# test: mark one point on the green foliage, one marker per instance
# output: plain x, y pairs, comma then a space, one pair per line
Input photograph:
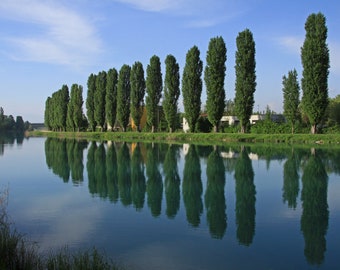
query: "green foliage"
124, 96
75, 108
91, 89
192, 86
171, 91
55, 115
245, 77
214, 80
315, 62
137, 92
111, 97
291, 92
99, 100
333, 111
154, 87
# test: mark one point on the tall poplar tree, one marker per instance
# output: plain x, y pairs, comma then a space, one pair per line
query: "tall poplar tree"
78, 107
192, 86
214, 80
123, 96
291, 92
137, 92
154, 86
171, 91
315, 62
111, 97
91, 89
70, 108
63, 98
99, 99
47, 114
245, 85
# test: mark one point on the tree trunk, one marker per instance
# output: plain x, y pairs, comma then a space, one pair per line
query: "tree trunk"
313, 129
243, 129
292, 129
215, 128
170, 130
153, 129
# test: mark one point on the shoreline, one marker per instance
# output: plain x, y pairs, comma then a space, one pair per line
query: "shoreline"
204, 138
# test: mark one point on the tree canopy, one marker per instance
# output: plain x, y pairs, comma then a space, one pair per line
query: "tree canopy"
245, 84
192, 86
214, 80
171, 91
154, 87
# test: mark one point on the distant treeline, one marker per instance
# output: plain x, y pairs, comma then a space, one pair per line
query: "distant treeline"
9, 124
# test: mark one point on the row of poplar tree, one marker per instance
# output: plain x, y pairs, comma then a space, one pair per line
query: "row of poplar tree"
114, 96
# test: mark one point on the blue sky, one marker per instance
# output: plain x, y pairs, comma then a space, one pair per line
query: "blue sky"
47, 43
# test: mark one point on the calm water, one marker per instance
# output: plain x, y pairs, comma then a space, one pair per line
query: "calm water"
159, 206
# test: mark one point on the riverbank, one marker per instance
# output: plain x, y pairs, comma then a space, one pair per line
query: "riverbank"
210, 138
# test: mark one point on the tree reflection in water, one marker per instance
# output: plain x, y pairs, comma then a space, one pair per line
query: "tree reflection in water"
245, 198
192, 187
314, 219
121, 171
214, 195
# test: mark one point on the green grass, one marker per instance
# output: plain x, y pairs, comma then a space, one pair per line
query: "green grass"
210, 138
17, 252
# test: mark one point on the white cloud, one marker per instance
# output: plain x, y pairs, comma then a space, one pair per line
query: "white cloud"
153, 5
62, 36
201, 14
291, 43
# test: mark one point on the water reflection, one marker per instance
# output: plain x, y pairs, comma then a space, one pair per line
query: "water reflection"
172, 181
291, 180
214, 195
137, 174
245, 198
314, 219
192, 187
138, 187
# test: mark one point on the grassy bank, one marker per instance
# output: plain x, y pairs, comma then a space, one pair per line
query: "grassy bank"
211, 138
18, 252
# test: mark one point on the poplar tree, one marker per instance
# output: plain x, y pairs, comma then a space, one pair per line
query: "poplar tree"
315, 62
91, 88
70, 108
111, 97
171, 91
245, 85
137, 92
62, 99
154, 90
192, 86
291, 92
123, 96
78, 107
99, 100
214, 80
47, 114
